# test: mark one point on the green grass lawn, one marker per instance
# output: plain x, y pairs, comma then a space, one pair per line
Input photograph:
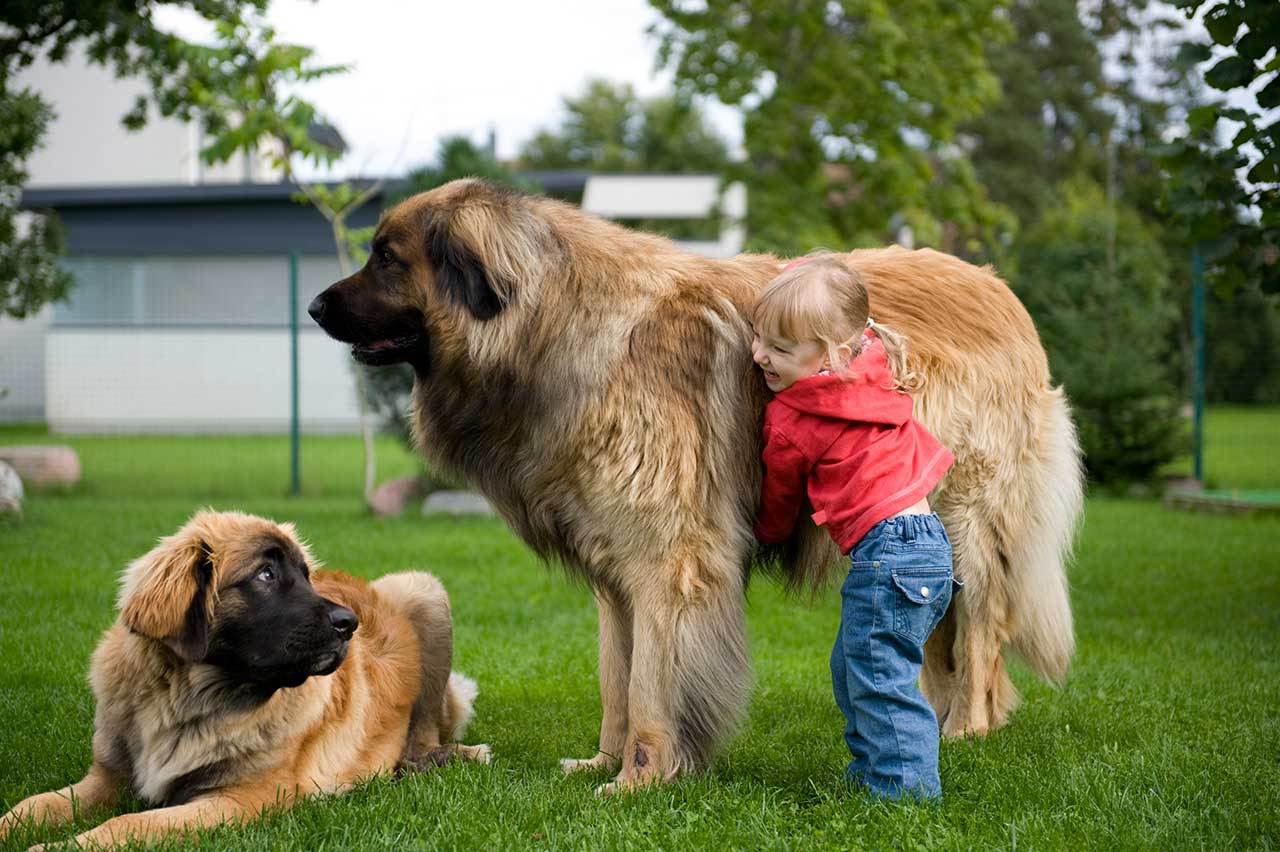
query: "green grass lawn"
1239, 448
1166, 734
208, 467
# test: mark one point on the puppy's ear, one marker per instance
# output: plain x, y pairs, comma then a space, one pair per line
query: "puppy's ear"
167, 594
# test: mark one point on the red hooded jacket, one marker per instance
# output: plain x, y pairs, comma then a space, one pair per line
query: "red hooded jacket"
851, 446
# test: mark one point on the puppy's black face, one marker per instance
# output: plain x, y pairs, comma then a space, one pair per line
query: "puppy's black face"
271, 630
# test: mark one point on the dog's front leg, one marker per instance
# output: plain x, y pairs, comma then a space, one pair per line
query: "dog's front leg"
690, 669
98, 789
649, 751
233, 805
615, 675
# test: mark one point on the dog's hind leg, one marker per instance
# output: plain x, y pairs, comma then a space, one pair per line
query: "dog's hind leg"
445, 754
98, 789
965, 677
459, 701
1011, 529
937, 677
444, 702
615, 672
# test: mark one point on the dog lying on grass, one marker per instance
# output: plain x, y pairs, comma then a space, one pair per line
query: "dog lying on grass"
235, 680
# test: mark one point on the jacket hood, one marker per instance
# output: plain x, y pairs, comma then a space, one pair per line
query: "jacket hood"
867, 396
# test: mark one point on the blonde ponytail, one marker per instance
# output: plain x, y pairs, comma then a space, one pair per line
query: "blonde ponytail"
895, 351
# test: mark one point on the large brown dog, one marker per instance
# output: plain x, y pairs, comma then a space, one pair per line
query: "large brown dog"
596, 385
222, 688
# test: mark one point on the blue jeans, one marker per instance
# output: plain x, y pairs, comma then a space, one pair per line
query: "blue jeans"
898, 589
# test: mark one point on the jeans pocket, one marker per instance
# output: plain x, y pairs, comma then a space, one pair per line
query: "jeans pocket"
921, 600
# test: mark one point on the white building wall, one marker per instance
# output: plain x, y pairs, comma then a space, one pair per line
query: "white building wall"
86, 145
194, 380
22, 373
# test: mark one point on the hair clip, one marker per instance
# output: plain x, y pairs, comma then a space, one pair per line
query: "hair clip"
799, 261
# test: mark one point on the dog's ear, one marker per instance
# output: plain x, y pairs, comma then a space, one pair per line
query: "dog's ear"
488, 248
461, 275
167, 594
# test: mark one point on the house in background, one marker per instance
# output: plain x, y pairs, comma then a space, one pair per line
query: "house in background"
86, 147
180, 318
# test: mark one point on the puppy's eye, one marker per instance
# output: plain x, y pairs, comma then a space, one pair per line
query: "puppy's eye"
266, 574
387, 257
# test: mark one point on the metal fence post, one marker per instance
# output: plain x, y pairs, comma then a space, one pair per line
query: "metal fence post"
1198, 363
295, 475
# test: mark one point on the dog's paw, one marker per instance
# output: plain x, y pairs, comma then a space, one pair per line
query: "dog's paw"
570, 765
958, 727
630, 781
445, 754
622, 788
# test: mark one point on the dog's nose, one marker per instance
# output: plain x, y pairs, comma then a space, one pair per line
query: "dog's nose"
316, 308
344, 621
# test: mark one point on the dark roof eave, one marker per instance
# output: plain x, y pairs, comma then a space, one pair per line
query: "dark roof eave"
557, 182
207, 193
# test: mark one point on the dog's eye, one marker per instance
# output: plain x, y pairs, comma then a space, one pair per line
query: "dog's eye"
266, 574
387, 257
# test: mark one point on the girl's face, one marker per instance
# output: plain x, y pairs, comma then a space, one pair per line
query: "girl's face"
785, 362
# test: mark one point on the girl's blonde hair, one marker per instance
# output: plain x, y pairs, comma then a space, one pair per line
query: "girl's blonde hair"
819, 299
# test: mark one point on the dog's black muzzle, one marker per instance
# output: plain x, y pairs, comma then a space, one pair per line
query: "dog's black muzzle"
379, 333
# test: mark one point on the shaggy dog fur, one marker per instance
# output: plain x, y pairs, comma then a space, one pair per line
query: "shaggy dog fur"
222, 688
596, 384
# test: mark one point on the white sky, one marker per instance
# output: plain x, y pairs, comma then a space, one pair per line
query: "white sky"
428, 69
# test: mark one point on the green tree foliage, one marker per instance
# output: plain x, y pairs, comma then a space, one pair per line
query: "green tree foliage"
608, 128
459, 157
850, 111
118, 34
1235, 220
1096, 280
1242, 349
250, 81
1061, 116
245, 88
30, 276
1049, 123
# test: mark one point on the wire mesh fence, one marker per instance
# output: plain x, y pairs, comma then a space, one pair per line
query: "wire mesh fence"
176, 375
173, 374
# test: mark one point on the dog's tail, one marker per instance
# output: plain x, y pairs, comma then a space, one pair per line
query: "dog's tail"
459, 706
1041, 630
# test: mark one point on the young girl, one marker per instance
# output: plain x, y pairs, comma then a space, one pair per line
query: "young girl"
839, 432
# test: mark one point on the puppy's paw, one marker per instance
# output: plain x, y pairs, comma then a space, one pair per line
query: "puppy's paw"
480, 753
570, 765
